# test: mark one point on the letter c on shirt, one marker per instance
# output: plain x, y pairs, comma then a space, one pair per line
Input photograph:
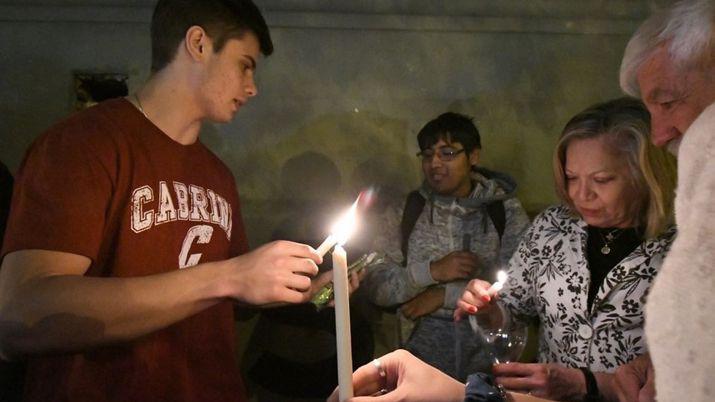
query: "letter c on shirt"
202, 235
142, 220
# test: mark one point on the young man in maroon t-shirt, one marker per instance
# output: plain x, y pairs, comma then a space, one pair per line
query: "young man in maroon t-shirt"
125, 247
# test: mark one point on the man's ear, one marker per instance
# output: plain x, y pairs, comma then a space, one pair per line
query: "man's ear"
474, 157
197, 43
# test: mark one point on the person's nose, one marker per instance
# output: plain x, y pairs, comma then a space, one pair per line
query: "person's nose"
436, 160
583, 191
662, 130
251, 88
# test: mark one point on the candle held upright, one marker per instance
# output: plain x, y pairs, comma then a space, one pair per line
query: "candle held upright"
342, 323
341, 231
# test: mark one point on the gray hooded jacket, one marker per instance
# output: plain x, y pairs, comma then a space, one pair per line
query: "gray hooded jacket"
440, 230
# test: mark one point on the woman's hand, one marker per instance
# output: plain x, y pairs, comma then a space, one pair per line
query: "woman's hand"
550, 381
406, 378
475, 298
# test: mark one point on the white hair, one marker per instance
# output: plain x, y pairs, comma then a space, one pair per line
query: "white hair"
686, 28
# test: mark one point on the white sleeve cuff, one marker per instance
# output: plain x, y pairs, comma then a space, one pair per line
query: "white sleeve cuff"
420, 274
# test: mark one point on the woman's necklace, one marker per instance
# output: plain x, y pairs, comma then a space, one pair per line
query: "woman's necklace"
139, 106
608, 239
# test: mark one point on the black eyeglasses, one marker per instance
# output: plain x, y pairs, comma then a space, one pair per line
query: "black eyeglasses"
444, 154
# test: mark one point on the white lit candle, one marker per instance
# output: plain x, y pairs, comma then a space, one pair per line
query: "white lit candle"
499, 284
342, 323
326, 245
494, 289
341, 231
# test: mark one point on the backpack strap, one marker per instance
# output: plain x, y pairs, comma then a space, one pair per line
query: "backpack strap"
414, 205
497, 214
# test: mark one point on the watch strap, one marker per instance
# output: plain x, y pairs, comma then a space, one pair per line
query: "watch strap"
482, 388
592, 392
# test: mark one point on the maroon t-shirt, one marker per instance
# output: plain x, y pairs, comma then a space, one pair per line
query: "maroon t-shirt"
108, 184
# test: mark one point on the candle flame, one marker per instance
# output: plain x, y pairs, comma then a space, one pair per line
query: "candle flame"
345, 226
366, 198
502, 277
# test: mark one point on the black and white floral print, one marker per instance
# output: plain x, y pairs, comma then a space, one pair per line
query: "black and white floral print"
549, 280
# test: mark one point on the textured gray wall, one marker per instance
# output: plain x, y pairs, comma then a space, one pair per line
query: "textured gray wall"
349, 86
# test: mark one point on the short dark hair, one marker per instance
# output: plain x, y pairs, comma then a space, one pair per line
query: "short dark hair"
451, 127
221, 19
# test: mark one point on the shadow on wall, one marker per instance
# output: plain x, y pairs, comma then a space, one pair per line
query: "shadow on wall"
309, 175
309, 372
322, 167
308, 183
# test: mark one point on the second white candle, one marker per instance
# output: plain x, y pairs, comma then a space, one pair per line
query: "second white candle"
342, 323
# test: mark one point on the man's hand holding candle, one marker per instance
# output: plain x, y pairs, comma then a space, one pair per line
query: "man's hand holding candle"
279, 272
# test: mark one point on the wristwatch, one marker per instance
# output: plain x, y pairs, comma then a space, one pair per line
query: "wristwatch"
592, 393
482, 388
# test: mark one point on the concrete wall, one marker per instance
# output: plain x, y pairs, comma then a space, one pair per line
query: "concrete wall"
349, 86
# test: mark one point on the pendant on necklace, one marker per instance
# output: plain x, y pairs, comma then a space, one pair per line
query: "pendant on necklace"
605, 249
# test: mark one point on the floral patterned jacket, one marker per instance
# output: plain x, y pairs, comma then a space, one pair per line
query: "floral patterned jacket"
549, 279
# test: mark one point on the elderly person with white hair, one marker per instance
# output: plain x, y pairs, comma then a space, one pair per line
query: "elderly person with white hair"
584, 268
670, 63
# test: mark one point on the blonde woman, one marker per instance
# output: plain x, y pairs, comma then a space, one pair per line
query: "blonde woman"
585, 267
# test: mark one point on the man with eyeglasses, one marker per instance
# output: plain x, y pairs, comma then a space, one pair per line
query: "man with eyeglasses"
462, 223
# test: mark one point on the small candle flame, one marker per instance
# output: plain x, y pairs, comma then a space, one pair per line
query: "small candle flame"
499, 284
502, 277
346, 225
